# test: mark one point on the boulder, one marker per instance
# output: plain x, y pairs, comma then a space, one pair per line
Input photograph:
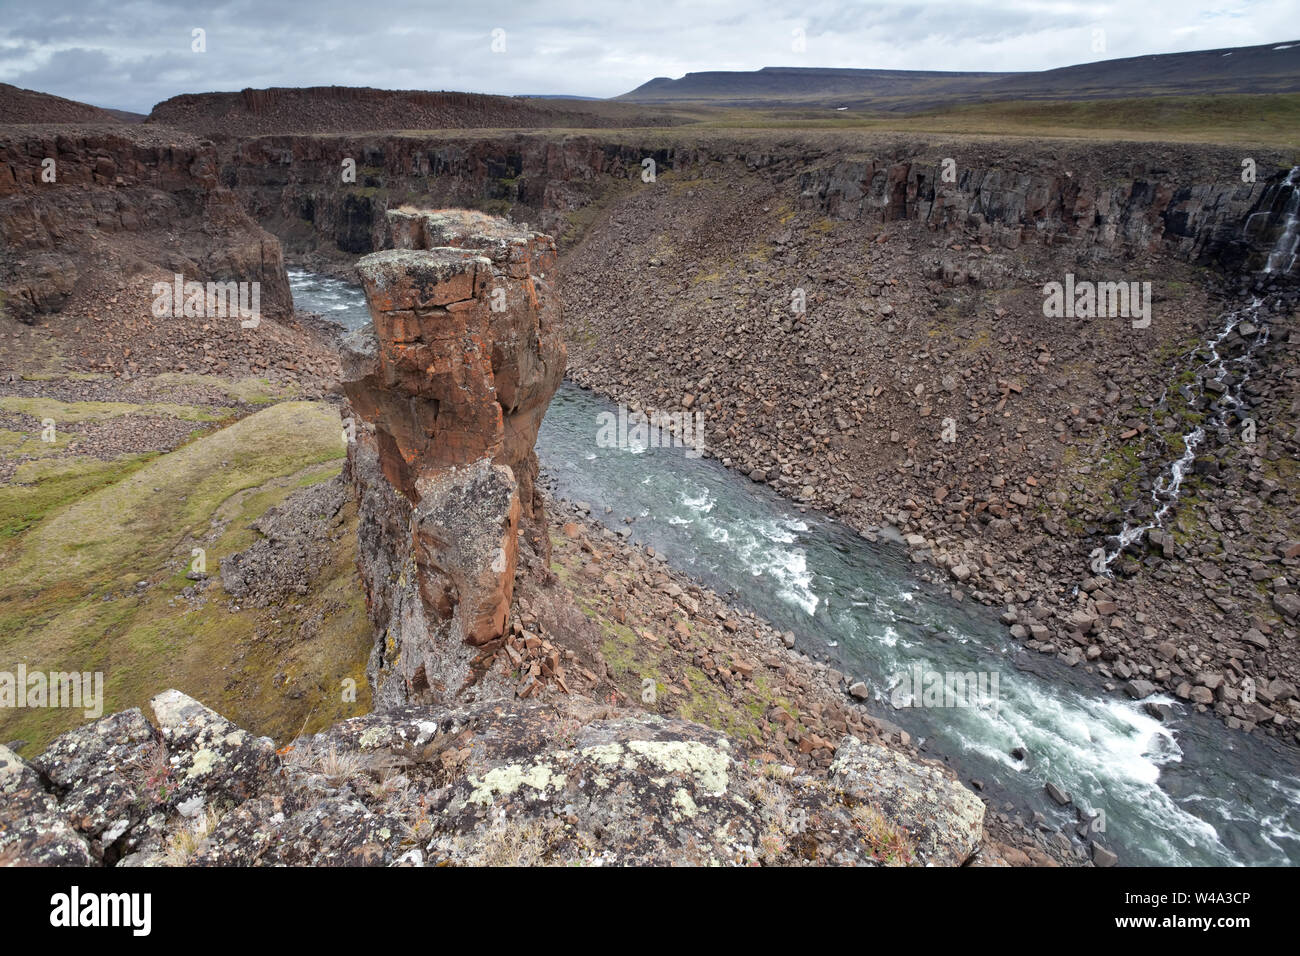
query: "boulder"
944, 818
33, 829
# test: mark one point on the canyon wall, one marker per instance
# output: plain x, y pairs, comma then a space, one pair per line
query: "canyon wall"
295, 185
1106, 200
1233, 223
450, 380
127, 203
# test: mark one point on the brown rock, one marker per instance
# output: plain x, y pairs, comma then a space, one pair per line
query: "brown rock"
451, 380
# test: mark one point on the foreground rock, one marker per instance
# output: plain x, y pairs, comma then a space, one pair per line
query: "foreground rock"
540, 784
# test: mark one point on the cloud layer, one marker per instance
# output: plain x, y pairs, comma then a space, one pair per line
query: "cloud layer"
132, 54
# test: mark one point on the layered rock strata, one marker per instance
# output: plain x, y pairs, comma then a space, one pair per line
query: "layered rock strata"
83, 209
450, 382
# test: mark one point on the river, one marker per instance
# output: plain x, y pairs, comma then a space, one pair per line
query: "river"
1185, 791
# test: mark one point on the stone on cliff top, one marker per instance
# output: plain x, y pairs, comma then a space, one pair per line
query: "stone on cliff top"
33, 829
210, 756
113, 782
103, 769
551, 783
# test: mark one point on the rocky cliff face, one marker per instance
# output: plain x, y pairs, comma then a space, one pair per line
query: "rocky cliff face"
1104, 200
1147, 211
294, 185
450, 381
538, 784
135, 202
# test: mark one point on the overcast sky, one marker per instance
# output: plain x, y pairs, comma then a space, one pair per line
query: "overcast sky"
130, 54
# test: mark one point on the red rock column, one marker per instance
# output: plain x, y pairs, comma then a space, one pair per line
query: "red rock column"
451, 382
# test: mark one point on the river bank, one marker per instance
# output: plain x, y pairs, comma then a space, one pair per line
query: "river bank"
1099, 749
1058, 432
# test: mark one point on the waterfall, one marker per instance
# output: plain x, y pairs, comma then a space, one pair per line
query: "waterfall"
1281, 259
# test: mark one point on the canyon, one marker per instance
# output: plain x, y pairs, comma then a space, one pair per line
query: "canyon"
490, 620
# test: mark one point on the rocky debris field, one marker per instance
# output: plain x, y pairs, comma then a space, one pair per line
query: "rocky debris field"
293, 546
921, 389
115, 334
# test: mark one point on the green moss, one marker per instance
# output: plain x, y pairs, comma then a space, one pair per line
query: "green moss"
14, 444
81, 539
38, 491
619, 648
707, 703
110, 529
62, 412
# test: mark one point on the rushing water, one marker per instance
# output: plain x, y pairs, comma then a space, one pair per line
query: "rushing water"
1281, 259
1233, 372
1186, 791
333, 299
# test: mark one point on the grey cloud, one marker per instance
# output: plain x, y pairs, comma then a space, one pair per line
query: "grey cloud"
131, 55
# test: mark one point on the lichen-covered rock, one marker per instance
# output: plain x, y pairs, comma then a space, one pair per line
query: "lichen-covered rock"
109, 778
491, 783
33, 829
118, 780
944, 819
623, 790
336, 830
210, 758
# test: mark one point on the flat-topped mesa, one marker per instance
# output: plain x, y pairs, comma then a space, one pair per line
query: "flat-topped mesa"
451, 380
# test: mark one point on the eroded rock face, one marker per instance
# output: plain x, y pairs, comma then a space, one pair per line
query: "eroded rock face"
124, 203
450, 381
564, 783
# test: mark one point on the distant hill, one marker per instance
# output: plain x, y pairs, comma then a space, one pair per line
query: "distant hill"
800, 86
333, 109
1271, 68
28, 106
